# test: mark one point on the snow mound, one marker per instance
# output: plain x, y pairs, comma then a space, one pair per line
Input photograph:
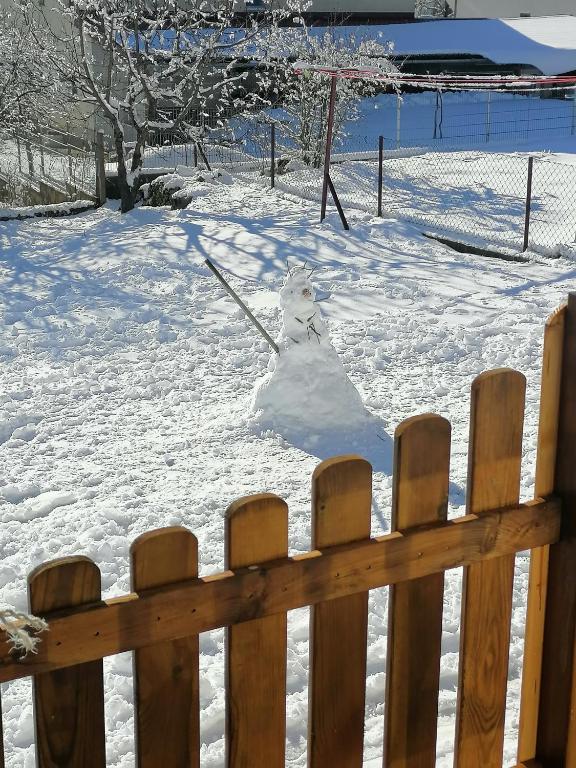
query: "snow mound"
308, 389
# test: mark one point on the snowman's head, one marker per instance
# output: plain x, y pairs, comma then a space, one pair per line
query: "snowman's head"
297, 288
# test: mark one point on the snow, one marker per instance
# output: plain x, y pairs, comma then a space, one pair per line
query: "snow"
50, 210
125, 389
544, 42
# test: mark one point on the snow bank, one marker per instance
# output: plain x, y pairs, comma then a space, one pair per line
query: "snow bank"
54, 209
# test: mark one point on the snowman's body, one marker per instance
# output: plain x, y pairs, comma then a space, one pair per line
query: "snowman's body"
307, 387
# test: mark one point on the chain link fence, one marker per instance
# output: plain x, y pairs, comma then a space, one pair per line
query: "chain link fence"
480, 198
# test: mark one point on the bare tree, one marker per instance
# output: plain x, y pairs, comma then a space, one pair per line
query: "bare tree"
29, 91
155, 65
303, 100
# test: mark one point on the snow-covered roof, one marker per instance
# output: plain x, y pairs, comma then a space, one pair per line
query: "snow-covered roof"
547, 42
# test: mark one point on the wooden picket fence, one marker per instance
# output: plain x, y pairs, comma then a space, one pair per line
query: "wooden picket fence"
160, 620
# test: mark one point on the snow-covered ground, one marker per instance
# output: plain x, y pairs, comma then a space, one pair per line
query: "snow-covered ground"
125, 382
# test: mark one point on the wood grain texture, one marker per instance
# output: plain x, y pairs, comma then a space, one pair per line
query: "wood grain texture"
131, 621
495, 453
538, 578
166, 675
341, 512
256, 532
420, 497
68, 703
556, 740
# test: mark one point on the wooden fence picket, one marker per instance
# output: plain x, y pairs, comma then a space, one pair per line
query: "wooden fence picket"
556, 737
166, 675
420, 496
68, 703
256, 531
341, 512
495, 452
538, 579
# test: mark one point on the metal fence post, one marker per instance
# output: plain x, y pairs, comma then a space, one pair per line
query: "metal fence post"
528, 204
195, 156
100, 168
398, 112
488, 110
573, 122
380, 172
328, 147
272, 155
19, 154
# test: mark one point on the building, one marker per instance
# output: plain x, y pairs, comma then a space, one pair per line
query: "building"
524, 46
497, 9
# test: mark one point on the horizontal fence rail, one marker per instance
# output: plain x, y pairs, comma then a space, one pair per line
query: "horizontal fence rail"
160, 620
262, 590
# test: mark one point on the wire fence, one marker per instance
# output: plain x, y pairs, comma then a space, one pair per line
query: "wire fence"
56, 160
480, 198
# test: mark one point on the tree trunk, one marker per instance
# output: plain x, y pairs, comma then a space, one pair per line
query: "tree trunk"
127, 195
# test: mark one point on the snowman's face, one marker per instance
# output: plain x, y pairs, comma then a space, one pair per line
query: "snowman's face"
297, 289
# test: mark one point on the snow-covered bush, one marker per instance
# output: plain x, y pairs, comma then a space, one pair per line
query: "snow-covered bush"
178, 191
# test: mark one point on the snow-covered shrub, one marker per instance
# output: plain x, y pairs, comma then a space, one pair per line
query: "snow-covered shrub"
178, 191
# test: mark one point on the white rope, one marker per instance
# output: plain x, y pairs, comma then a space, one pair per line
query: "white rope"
18, 627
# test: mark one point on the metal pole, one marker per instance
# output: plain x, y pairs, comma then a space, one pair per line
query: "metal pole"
243, 306
328, 149
338, 205
272, 154
398, 108
195, 156
528, 203
19, 154
573, 123
488, 105
380, 172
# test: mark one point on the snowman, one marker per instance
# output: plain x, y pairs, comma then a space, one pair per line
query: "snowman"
306, 388
301, 319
